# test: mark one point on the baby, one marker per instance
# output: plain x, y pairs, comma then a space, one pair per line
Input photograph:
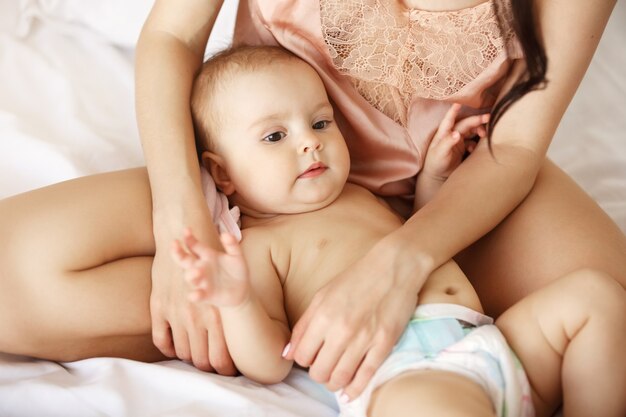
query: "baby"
268, 137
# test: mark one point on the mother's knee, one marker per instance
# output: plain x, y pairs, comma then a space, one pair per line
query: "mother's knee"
17, 326
595, 290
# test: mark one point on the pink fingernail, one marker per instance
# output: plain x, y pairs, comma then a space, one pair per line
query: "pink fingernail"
344, 399
286, 350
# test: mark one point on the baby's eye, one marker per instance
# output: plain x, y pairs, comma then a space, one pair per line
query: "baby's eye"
321, 124
274, 137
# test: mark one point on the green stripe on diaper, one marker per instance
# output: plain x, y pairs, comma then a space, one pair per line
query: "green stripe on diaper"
430, 336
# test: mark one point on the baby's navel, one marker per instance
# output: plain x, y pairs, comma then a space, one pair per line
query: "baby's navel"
322, 244
451, 290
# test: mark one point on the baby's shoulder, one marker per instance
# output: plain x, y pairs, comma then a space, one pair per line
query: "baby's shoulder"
269, 247
355, 193
256, 234
266, 237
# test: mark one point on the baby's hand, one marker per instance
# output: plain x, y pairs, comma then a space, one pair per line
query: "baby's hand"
451, 141
218, 278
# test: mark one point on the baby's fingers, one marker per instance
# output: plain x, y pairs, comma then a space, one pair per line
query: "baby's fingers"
196, 277
180, 255
471, 125
200, 286
198, 295
197, 248
231, 246
447, 123
481, 131
452, 143
190, 240
470, 145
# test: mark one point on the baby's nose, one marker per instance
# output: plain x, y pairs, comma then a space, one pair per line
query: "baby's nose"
310, 143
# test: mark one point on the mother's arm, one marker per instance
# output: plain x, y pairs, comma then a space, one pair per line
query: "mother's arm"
169, 51
353, 322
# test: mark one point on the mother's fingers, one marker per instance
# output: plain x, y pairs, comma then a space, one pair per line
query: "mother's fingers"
350, 360
333, 349
374, 358
161, 332
162, 336
199, 346
219, 356
181, 343
300, 329
305, 350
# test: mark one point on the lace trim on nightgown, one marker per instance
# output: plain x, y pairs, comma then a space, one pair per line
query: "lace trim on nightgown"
393, 54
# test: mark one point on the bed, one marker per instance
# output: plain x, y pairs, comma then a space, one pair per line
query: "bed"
66, 110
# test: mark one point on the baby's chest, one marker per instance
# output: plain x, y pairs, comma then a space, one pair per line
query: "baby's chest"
316, 255
319, 250
322, 246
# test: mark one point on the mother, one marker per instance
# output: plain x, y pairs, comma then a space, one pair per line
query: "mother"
511, 218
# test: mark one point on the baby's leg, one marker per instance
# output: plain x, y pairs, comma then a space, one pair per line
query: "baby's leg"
430, 393
570, 337
75, 267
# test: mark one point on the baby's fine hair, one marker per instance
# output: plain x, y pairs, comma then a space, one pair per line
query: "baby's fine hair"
213, 77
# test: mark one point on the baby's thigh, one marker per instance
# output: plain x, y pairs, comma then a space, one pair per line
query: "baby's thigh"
433, 393
586, 306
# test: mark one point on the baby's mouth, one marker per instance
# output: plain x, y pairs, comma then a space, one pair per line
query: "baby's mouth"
314, 170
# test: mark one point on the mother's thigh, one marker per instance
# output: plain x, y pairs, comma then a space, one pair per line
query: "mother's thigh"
75, 261
557, 229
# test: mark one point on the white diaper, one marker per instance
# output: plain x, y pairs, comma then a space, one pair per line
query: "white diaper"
454, 338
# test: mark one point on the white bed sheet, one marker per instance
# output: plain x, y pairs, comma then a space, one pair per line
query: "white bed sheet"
66, 110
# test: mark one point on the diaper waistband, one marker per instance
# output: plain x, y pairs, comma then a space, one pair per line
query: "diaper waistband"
434, 327
454, 311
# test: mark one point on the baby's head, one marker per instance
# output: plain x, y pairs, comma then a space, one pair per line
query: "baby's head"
265, 129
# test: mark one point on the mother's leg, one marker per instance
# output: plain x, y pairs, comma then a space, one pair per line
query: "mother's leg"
557, 229
75, 267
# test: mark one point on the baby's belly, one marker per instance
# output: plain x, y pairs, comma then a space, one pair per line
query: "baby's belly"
450, 290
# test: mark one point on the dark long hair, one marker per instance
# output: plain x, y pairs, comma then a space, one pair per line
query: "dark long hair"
524, 26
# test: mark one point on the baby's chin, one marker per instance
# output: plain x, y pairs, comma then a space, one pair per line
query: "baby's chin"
285, 208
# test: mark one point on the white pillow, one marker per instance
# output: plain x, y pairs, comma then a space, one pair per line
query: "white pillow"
117, 21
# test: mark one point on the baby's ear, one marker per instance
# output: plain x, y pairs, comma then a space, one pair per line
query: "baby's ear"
217, 168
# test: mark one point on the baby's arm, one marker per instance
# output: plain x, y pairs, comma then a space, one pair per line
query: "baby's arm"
251, 308
446, 150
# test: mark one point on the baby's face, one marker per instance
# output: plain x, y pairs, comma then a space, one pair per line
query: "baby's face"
279, 141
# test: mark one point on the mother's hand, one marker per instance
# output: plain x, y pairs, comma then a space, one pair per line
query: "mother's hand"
354, 321
180, 328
